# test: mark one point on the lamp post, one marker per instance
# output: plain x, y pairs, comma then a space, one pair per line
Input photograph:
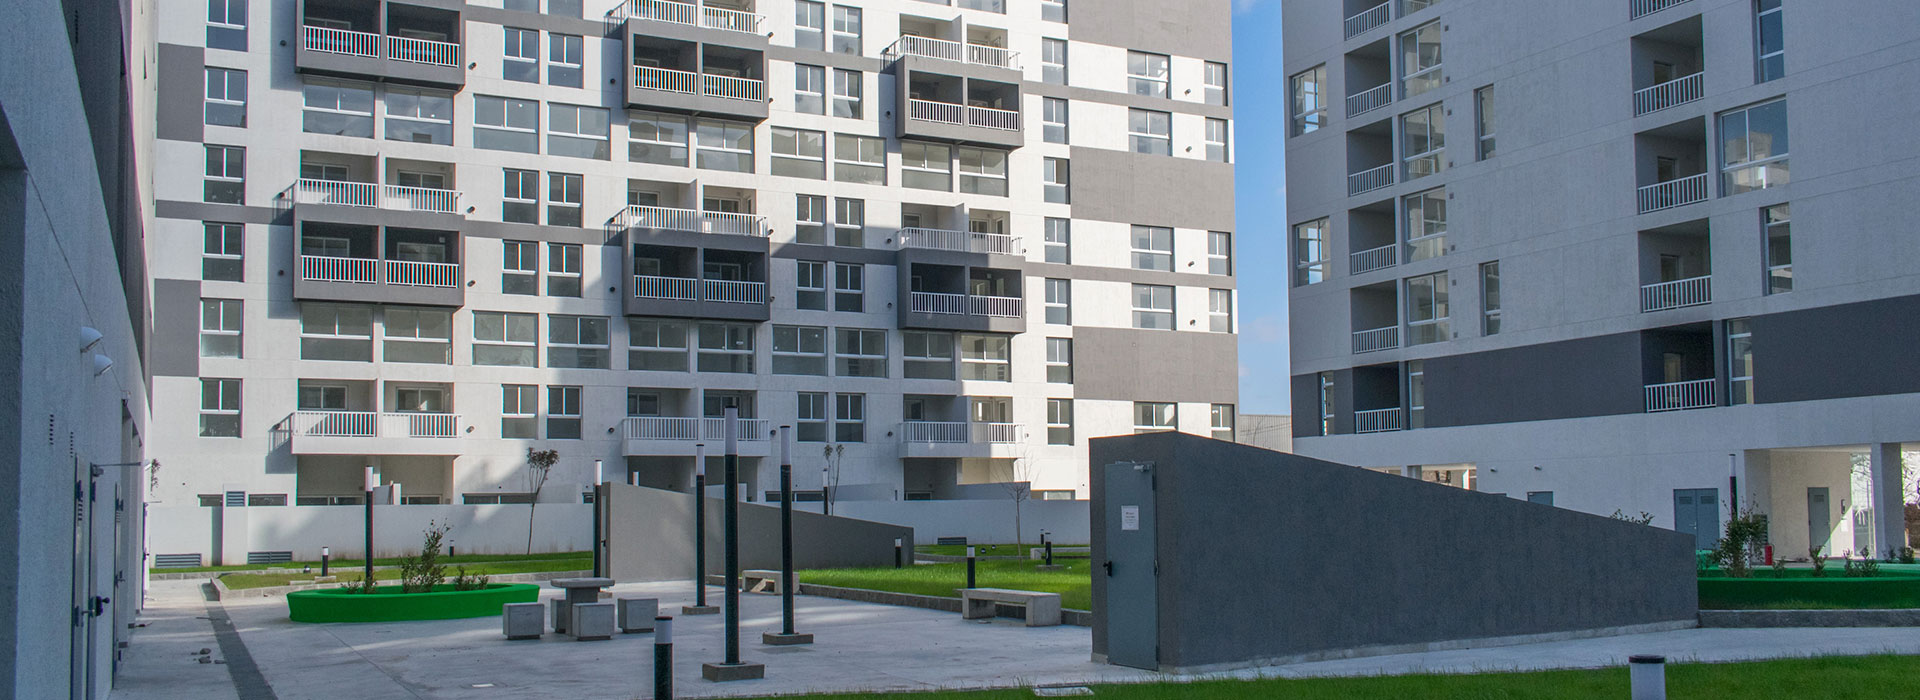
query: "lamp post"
599, 564
367, 582
733, 669
699, 606
325, 554
786, 636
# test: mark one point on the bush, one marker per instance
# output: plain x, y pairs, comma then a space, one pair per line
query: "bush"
358, 586
1644, 518
464, 582
420, 574
1819, 561
1779, 567
1745, 531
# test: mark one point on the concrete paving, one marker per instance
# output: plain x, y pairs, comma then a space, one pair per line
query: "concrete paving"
860, 647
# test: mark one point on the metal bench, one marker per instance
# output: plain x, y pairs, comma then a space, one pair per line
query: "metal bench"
1043, 609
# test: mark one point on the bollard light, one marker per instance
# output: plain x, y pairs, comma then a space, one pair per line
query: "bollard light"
1647, 674
663, 658
970, 578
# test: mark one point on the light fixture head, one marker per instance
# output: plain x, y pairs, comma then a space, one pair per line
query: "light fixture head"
89, 338
101, 363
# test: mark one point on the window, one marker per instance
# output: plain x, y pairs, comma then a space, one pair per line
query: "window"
1427, 309
861, 159
859, 352
1416, 394
226, 103
1423, 140
1309, 252
799, 153
656, 345
811, 412
1059, 421
518, 405
1222, 421
1053, 119
1059, 301
723, 146
563, 413
846, 93
1153, 307
417, 116
726, 347
1753, 148
1420, 60
846, 30
1053, 10
849, 222
850, 418
657, 138
1490, 298
506, 124
336, 333
810, 219
221, 258
505, 339
1426, 224
1154, 417
1739, 362
849, 287
1060, 360
809, 89
1483, 120
926, 166
928, 354
520, 198
227, 24
521, 55
809, 25
800, 350
563, 201
1150, 131
810, 285
563, 269
1152, 248
519, 271
1219, 253
982, 171
1326, 403
1053, 61
1059, 240
986, 358
220, 408
1054, 176
1215, 79
579, 132
1147, 74
226, 181
1217, 140
1309, 100
1770, 46
423, 336
577, 341
1778, 222
564, 54
1220, 310
219, 327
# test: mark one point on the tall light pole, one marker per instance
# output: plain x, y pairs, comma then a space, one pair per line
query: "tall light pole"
367, 581
699, 606
787, 583
599, 565
733, 669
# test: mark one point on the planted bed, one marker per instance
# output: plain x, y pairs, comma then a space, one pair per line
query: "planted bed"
388, 604
1800, 589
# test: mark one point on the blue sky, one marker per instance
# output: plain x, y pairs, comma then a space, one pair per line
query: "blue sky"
1259, 110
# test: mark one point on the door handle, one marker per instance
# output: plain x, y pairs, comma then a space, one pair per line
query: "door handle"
1109, 565
99, 605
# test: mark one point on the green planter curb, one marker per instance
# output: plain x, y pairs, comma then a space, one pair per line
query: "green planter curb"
390, 605
1888, 590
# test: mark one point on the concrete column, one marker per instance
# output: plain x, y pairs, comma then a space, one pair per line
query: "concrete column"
1889, 502
234, 536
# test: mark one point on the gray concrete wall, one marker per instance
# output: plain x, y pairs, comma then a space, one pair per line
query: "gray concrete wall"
1413, 563
649, 536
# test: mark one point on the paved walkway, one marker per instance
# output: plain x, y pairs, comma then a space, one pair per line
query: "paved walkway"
859, 647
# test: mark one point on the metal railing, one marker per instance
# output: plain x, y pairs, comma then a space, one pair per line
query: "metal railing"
999, 307
322, 268
1661, 296
637, 216
1642, 8
369, 424
687, 13
945, 50
734, 292
672, 288
367, 194
1680, 396
961, 432
991, 118
1672, 93
941, 112
401, 198
433, 53
423, 274
340, 41
1370, 99
729, 20
1376, 339
690, 428
982, 54
1369, 180
936, 303
665, 79
1377, 421
729, 87
1372, 259
962, 241
1673, 193
1368, 19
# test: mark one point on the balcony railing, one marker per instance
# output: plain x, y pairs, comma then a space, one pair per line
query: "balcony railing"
1672, 93
368, 194
1368, 100
962, 241
340, 41
1661, 296
1376, 339
1642, 8
689, 428
1680, 396
1372, 259
729, 87
734, 292
689, 83
1377, 421
1368, 19
998, 307
941, 112
942, 49
992, 118
688, 14
637, 216
1673, 193
937, 303
669, 288
322, 268
433, 53
1370, 180
423, 274
961, 432
368, 424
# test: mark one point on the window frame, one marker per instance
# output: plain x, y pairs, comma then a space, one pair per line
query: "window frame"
1220, 253
226, 396
1144, 316
518, 62
1434, 118
511, 137
1056, 180
1215, 93
422, 102
926, 166
802, 162
1151, 412
868, 162
736, 341
1150, 132
1766, 167
1778, 275
1059, 360
651, 338
561, 326
1059, 421
1739, 336
1490, 311
225, 97
846, 34
1413, 68
1438, 302
1422, 206
1142, 77
849, 95
216, 311
1483, 124
1058, 294
1762, 72
730, 134
1053, 72
1307, 111
650, 138
519, 411
980, 176
229, 236
1062, 243
567, 415
565, 206
809, 89
804, 348
1154, 256
225, 177
988, 359
849, 417
1220, 310
1310, 257
566, 131
414, 334
1214, 414
528, 348
860, 352
1054, 115
849, 287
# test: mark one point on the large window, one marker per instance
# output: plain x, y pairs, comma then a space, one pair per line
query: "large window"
1059, 421
1427, 309
656, 345
724, 146
520, 197
504, 339
564, 207
418, 116
520, 55
1147, 74
926, 166
1053, 61
1739, 362
1483, 121
222, 255
335, 332
1326, 403
1150, 132
859, 352
1217, 150
1222, 421
1154, 417
1770, 50
847, 92
226, 103
1778, 222
1426, 224
1215, 78
1220, 310
1059, 301
982, 171
1053, 119
580, 132
861, 159
519, 410
800, 153
414, 335
1490, 298
1309, 252
1059, 240
1152, 248
849, 287
726, 347
227, 25
846, 30
1423, 141
1055, 176
226, 181
1753, 148
809, 89
1309, 100
1420, 60
849, 222
850, 418
220, 408
220, 327
519, 268
811, 413
810, 285
1153, 307
986, 357
810, 219
800, 350
577, 341
810, 25
563, 270
657, 138
506, 124
564, 55
1053, 10
927, 354
563, 413
1219, 253
1416, 394
1060, 360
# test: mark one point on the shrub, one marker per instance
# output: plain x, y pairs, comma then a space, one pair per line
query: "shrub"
1819, 561
420, 574
1644, 518
1906, 555
1867, 568
1779, 567
462, 581
1745, 531
358, 586
1849, 566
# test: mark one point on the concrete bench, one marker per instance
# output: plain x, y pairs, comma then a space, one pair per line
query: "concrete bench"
760, 581
523, 620
1039, 553
636, 614
1043, 609
591, 621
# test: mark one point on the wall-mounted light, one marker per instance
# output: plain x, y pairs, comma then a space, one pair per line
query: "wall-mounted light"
89, 338
101, 363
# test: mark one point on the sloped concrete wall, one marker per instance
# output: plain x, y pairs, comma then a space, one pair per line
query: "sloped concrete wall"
649, 534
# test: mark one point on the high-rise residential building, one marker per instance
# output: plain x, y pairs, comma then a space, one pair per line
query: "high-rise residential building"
1567, 252
946, 243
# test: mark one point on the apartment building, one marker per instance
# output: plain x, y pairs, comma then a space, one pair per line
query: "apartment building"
946, 243
1568, 252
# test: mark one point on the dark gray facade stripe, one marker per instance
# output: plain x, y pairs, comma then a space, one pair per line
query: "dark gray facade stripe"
1202, 29
248, 681
228, 213
183, 79
534, 20
1155, 190
830, 59
176, 328
13, 238
1869, 348
1127, 364
1586, 377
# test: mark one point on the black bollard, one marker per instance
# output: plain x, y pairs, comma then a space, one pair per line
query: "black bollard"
896, 552
663, 658
699, 606
970, 567
325, 554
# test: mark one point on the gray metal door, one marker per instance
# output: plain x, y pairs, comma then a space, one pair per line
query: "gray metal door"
1132, 601
1697, 512
1819, 520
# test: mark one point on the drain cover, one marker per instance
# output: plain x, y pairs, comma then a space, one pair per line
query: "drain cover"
1062, 691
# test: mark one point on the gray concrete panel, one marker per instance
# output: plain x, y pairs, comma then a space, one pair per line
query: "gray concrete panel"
834, 253
202, 211
1125, 364
1203, 28
1594, 376
178, 113
176, 328
1841, 351
1156, 190
650, 536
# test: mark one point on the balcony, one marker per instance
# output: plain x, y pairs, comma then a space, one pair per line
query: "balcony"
1368, 100
1368, 19
960, 241
359, 54
375, 196
1383, 420
690, 289
1672, 93
1661, 296
1372, 259
1370, 179
370, 433
954, 51
1680, 396
1376, 339
687, 14
963, 115
1642, 8
1672, 193
960, 439
691, 221
676, 436
965, 304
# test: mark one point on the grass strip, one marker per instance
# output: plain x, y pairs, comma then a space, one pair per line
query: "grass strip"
243, 581
389, 561
1072, 582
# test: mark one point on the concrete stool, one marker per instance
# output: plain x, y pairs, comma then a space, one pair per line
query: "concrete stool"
523, 620
591, 621
636, 614
560, 614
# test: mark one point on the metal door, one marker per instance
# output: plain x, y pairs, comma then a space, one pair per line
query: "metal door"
1544, 498
1132, 571
80, 660
1697, 512
1819, 520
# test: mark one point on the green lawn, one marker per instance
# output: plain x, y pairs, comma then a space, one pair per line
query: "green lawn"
1860, 677
356, 563
1073, 583
237, 581
985, 550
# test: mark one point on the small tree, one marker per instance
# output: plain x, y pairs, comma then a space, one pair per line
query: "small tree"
1019, 488
420, 574
1644, 518
830, 481
539, 466
1745, 531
